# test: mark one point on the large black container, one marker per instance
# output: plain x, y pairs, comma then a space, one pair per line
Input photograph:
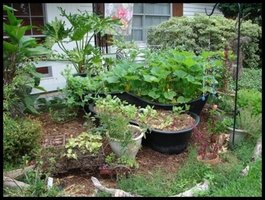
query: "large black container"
196, 105
170, 142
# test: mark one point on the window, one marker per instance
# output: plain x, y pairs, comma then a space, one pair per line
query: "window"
32, 14
46, 71
146, 15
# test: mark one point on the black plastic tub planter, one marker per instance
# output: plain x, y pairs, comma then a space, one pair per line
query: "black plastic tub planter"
170, 142
196, 105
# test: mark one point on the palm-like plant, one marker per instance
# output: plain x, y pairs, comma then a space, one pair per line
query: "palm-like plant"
84, 26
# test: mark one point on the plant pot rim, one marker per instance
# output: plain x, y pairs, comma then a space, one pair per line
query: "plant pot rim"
161, 104
210, 161
236, 130
193, 115
134, 139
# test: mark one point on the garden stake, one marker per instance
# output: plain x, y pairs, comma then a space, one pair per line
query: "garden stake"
237, 63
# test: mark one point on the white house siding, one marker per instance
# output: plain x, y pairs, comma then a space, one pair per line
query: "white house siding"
189, 9
57, 67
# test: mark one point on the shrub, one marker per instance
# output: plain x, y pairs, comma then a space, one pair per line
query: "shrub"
21, 137
203, 33
252, 98
250, 79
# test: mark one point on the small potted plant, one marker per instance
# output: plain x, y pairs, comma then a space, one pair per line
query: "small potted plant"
124, 138
207, 151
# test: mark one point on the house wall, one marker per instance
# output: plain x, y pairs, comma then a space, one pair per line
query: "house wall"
189, 9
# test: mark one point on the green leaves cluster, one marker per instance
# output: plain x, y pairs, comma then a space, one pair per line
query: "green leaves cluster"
168, 76
85, 143
21, 137
19, 72
203, 33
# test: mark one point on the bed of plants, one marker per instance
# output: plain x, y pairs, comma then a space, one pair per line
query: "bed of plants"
166, 76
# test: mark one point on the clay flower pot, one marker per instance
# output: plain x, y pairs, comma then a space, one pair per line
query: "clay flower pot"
208, 159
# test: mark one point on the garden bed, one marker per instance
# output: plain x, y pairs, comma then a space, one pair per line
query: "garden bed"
77, 182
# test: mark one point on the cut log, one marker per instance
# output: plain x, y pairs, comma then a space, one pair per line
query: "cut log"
18, 173
200, 187
10, 182
112, 191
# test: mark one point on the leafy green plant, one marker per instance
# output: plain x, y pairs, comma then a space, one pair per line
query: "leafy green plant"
247, 81
63, 115
84, 26
252, 98
86, 142
37, 186
79, 90
200, 33
21, 137
19, 73
168, 76
115, 117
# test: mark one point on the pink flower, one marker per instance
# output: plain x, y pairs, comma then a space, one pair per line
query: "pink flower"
122, 13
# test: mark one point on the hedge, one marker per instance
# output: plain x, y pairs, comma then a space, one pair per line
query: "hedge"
201, 32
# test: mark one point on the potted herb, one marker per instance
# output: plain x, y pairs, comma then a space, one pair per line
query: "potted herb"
167, 78
86, 58
207, 151
124, 138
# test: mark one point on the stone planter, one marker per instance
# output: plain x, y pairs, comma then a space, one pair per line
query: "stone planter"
132, 148
240, 135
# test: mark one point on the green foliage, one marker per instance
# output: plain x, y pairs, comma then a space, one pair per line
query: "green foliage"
19, 74
37, 188
244, 151
168, 76
148, 186
21, 137
252, 98
85, 143
240, 186
63, 115
200, 33
250, 79
250, 11
78, 90
85, 57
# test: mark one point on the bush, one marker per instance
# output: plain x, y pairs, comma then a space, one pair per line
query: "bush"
21, 137
203, 33
252, 98
250, 79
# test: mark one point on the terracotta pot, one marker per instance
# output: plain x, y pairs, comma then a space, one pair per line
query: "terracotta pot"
209, 161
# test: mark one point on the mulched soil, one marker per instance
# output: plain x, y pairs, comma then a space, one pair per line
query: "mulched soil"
78, 183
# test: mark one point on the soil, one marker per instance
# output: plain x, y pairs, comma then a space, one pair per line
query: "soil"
78, 183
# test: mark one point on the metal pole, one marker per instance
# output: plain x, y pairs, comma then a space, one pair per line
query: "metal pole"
237, 63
